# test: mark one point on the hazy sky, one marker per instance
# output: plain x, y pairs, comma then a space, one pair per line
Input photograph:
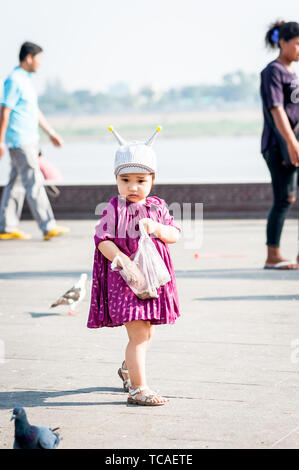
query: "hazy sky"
95, 43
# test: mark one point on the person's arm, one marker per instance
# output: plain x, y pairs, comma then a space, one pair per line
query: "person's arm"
11, 96
109, 249
132, 274
45, 126
283, 125
4, 118
166, 233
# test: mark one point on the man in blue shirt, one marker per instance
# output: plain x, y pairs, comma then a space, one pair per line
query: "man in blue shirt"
19, 121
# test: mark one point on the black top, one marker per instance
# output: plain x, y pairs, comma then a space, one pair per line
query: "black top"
279, 87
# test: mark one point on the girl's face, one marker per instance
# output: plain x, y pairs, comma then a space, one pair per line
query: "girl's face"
135, 187
290, 49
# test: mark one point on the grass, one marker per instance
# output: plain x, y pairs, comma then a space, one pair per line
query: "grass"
179, 125
220, 128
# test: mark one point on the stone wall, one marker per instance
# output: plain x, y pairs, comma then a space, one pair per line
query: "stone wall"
252, 200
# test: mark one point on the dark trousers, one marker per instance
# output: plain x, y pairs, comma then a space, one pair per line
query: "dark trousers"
284, 185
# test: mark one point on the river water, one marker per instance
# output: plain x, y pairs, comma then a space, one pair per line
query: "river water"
192, 160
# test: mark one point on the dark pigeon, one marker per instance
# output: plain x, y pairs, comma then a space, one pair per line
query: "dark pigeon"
32, 437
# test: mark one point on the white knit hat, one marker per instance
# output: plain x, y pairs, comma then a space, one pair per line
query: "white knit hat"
135, 156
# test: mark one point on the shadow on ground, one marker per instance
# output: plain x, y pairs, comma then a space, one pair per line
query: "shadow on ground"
44, 314
40, 274
253, 297
33, 398
240, 273
226, 273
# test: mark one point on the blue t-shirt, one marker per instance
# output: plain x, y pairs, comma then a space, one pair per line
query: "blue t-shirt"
19, 95
279, 87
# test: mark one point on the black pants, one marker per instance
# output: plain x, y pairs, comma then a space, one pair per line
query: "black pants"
284, 185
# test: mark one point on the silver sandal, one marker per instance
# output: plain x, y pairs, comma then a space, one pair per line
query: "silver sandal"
126, 382
148, 399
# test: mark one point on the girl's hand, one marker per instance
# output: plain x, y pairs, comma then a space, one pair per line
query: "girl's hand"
166, 233
133, 275
150, 225
293, 149
129, 270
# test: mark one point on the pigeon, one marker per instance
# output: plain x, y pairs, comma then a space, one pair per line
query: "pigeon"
32, 437
73, 296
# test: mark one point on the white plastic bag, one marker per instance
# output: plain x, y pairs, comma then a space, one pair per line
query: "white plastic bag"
146, 272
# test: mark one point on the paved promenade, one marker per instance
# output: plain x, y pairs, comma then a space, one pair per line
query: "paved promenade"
228, 365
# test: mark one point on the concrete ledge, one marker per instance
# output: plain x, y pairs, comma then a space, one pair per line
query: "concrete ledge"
231, 200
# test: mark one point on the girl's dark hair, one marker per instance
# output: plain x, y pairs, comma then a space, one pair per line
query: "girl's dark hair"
29, 48
286, 31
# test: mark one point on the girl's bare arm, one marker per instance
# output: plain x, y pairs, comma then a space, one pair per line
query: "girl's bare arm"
133, 276
109, 249
283, 125
167, 233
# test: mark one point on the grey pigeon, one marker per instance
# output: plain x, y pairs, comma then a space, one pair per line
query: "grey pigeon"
73, 296
32, 437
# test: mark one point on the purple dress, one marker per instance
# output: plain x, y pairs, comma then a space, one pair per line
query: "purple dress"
112, 301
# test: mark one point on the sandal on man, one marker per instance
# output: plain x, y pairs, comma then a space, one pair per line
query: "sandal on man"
126, 382
148, 399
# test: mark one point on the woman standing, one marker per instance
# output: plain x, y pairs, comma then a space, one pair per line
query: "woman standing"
280, 147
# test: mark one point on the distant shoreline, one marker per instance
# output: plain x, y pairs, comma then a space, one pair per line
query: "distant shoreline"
179, 124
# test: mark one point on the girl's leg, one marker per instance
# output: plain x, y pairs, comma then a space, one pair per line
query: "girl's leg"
139, 333
284, 194
150, 334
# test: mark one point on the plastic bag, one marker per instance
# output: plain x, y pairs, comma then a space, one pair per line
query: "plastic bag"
146, 272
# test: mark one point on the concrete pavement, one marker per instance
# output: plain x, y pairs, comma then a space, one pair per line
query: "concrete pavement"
230, 364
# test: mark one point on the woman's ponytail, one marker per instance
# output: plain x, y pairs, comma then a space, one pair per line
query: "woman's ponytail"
281, 30
272, 37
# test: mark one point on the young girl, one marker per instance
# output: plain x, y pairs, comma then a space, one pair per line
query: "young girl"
113, 303
279, 92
